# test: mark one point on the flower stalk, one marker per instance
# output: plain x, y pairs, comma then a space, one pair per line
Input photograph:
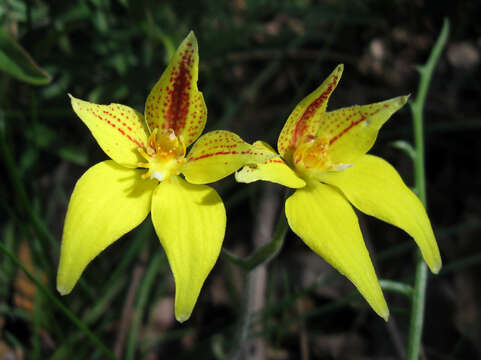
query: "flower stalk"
265, 252
417, 106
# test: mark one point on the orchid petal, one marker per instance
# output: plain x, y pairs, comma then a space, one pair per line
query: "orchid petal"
375, 187
325, 221
175, 102
304, 120
351, 132
190, 223
218, 154
118, 129
108, 201
273, 169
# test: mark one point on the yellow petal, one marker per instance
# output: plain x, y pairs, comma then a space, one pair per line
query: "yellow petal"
218, 154
190, 222
325, 221
273, 170
175, 102
374, 187
304, 120
118, 129
351, 132
107, 202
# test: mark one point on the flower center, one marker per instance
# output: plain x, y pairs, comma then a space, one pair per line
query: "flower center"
312, 156
164, 153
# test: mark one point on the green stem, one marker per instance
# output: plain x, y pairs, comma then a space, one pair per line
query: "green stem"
264, 253
397, 287
76, 321
417, 106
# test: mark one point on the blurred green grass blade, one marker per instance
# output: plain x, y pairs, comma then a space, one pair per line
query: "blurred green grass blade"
15, 61
144, 232
73, 154
265, 252
94, 314
55, 301
37, 324
144, 292
7, 270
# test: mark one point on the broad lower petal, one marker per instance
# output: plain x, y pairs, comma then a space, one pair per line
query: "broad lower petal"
118, 129
375, 187
175, 102
218, 154
108, 201
305, 118
351, 132
190, 223
325, 221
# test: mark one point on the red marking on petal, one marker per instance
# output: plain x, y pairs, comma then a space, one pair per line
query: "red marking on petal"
278, 161
178, 94
109, 116
301, 125
349, 127
213, 154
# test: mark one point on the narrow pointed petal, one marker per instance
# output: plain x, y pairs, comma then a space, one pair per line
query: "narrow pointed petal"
190, 223
175, 102
351, 132
375, 187
118, 129
108, 201
218, 154
304, 120
325, 221
273, 169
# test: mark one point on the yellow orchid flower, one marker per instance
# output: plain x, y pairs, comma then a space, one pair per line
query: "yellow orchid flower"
326, 162
113, 197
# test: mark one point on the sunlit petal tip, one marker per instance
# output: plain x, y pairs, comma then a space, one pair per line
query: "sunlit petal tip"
181, 317
339, 69
192, 38
403, 99
63, 289
384, 314
436, 267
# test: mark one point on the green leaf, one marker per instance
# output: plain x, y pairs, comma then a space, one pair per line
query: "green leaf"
15, 61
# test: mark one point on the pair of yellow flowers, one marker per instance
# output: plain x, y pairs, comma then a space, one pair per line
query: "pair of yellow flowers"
321, 154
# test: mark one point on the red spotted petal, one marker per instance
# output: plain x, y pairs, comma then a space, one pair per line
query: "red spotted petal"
305, 118
218, 154
175, 102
